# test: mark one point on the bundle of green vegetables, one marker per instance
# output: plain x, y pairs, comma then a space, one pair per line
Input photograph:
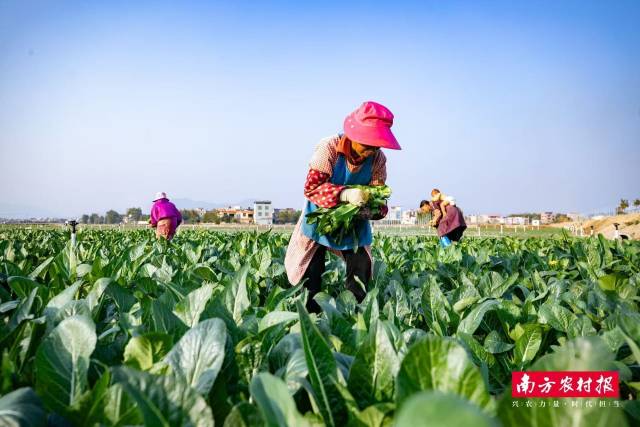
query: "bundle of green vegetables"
340, 221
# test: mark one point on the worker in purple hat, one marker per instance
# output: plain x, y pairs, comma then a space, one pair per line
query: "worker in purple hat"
340, 161
165, 217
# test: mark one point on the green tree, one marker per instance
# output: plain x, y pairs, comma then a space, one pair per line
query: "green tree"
561, 218
84, 219
636, 203
112, 217
134, 213
190, 216
529, 215
281, 217
211, 217
287, 216
96, 219
624, 204
186, 216
226, 218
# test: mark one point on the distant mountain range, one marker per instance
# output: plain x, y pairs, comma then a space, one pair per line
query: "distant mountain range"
13, 211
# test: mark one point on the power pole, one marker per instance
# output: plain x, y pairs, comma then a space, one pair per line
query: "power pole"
73, 223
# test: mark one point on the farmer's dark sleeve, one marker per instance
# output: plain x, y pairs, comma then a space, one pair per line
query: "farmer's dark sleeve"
384, 210
320, 191
379, 169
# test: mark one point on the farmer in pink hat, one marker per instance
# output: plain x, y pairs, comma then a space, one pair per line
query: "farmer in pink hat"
165, 217
351, 158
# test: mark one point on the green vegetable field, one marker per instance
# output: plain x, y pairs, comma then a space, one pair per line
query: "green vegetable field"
127, 330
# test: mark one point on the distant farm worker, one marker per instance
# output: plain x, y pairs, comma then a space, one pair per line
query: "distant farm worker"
165, 217
352, 158
451, 226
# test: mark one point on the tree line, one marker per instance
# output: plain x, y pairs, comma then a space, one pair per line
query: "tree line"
624, 205
189, 216
114, 217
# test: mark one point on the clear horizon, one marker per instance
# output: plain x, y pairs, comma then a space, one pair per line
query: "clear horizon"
509, 107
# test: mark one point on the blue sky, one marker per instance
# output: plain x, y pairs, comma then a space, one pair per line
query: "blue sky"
509, 106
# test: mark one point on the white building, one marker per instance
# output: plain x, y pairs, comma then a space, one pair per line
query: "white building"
547, 217
516, 220
471, 219
575, 216
409, 217
263, 212
394, 216
490, 219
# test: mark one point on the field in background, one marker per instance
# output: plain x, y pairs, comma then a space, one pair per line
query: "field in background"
387, 230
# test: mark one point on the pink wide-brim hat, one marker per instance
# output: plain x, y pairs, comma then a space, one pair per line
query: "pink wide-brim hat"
370, 124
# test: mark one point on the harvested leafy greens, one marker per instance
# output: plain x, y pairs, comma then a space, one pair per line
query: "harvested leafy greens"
340, 221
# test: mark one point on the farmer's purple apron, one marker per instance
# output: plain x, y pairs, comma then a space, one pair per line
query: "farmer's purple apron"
451, 221
342, 176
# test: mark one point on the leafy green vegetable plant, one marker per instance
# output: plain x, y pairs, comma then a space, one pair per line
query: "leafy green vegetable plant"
206, 330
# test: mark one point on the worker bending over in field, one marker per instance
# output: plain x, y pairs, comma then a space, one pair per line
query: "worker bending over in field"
451, 225
165, 217
352, 158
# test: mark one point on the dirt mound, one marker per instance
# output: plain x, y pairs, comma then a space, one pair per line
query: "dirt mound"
629, 225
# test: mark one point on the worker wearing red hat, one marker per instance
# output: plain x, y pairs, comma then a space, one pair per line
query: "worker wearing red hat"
351, 158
